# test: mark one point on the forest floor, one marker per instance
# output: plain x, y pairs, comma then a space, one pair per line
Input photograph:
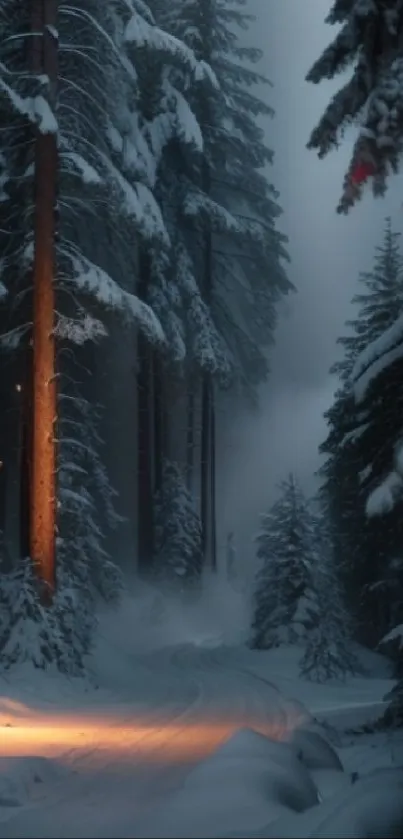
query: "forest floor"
144, 748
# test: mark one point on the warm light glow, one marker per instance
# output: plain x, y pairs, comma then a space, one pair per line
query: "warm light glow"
181, 740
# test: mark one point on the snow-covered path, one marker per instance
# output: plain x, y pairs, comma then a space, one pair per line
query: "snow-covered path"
125, 761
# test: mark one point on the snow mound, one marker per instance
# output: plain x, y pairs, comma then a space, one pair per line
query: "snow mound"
314, 751
369, 809
372, 808
22, 777
249, 781
329, 782
246, 743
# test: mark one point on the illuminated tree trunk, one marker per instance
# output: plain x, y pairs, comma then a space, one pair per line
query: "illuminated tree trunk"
44, 398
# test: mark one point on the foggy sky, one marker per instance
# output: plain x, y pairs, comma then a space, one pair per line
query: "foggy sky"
327, 252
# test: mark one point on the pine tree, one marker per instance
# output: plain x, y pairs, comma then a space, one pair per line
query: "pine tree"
229, 254
382, 489
44, 395
26, 629
227, 194
376, 377
86, 507
178, 554
328, 643
355, 460
286, 550
108, 155
165, 281
369, 40
379, 302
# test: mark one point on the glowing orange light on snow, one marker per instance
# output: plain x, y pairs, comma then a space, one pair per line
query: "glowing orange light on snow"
25, 731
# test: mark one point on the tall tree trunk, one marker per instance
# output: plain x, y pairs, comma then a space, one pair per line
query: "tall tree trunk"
159, 420
208, 477
145, 436
190, 434
207, 411
205, 468
44, 397
213, 513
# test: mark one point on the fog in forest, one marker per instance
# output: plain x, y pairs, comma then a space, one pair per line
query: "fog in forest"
327, 252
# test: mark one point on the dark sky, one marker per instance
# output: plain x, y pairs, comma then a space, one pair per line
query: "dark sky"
327, 252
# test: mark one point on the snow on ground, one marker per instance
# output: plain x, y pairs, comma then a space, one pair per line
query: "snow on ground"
21, 779
350, 703
181, 730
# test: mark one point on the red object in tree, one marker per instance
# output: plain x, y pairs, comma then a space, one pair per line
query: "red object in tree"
361, 172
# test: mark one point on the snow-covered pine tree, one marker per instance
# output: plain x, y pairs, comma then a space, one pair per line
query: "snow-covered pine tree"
369, 40
108, 156
226, 193
379, 371
16, 158
167, 277
376, 377
86, 575
229, 256
63, 634
286, 550
24, 95
27, 630
353, 455
178, 555
377, 304
328, 642
86, 507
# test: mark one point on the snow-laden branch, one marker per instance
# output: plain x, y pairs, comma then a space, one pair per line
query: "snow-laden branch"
36, 108
144, 35
83, 14
376, 357
93, 280
80, 331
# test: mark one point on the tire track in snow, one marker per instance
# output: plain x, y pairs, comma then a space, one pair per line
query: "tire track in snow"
98, 761
146, 766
